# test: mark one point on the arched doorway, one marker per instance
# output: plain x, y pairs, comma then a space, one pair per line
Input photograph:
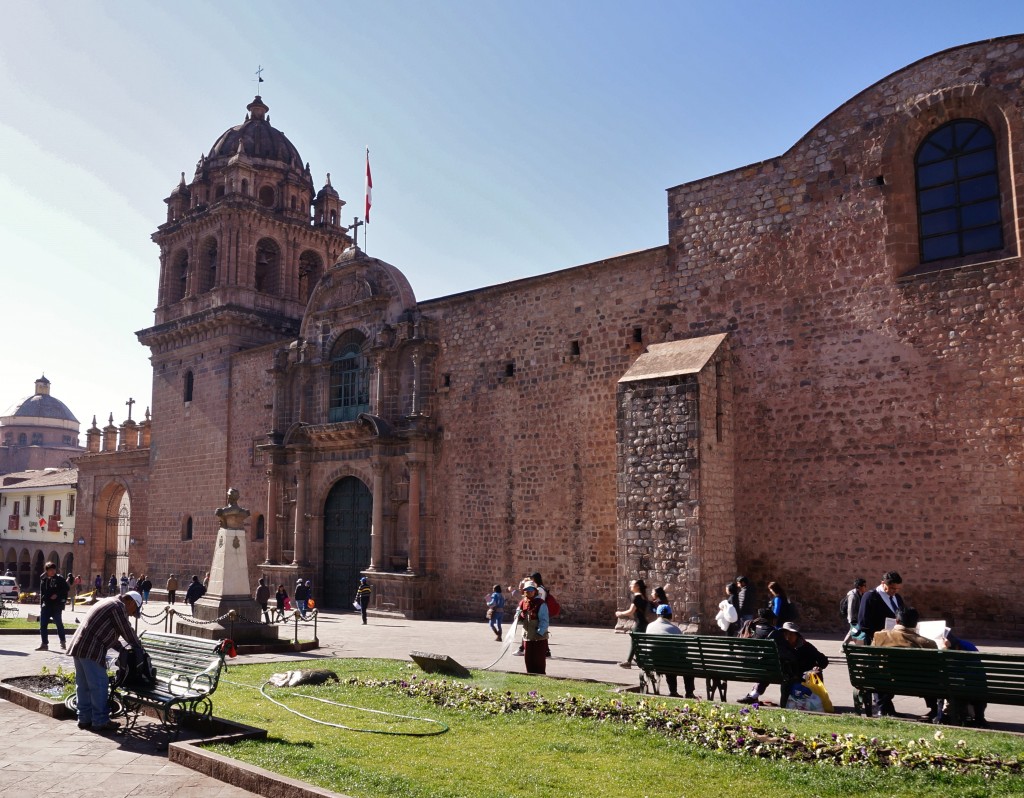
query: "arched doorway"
114, 517
124, 533
347, 518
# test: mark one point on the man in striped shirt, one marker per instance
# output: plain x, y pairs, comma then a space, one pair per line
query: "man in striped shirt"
106, 625
363, 596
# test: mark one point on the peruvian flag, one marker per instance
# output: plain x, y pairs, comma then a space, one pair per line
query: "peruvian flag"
369, 188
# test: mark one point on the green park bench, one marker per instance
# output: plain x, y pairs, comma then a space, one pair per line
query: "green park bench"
717, 660
187, 673
962, 676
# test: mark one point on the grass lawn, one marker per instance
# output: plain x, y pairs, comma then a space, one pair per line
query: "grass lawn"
488, 755
23, 623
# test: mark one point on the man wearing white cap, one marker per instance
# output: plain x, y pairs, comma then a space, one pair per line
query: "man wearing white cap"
100, 631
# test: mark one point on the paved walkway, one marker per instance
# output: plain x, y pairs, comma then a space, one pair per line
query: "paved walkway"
41, 753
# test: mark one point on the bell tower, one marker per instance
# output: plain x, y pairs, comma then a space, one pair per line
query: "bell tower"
243, 245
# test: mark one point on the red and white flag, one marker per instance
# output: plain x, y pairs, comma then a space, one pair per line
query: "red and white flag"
369, 188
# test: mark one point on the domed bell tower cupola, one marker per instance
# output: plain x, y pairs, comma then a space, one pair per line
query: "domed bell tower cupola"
179, 201
242, 233
327, 206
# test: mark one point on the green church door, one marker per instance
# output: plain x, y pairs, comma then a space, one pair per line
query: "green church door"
347, 518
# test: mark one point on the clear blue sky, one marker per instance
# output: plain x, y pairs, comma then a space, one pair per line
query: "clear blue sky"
507, 139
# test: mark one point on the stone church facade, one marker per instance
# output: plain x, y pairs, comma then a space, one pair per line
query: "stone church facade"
818, 377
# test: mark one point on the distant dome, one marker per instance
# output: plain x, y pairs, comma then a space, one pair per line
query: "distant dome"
42, 405
258, 140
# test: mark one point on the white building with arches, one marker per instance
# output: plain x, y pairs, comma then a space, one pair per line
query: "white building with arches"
38, 509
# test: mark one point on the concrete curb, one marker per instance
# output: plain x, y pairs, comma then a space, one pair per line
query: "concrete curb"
247, 777
34, 702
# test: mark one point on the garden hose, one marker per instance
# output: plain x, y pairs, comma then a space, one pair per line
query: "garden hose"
262, 689
509, 639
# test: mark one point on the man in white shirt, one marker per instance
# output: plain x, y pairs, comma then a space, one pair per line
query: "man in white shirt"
662, 625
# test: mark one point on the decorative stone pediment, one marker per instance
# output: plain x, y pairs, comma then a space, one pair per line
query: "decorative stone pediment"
358, 291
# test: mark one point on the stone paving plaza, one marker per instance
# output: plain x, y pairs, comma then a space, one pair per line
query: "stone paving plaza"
45, 755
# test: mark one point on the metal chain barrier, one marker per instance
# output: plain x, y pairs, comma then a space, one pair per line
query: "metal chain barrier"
231, 616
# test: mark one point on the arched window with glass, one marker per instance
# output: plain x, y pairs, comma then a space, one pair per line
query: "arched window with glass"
349, 393
958, 202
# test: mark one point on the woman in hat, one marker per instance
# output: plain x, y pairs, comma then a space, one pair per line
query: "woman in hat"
533, 614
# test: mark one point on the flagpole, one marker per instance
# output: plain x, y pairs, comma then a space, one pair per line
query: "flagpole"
369, 202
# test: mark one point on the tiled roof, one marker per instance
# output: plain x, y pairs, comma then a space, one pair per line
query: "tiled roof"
41, 478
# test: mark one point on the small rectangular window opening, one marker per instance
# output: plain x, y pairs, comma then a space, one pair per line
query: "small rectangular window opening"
446, 380
574, 348
719, 412
638, 335
510, 369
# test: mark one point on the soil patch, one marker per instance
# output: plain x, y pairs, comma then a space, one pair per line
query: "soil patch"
47, 685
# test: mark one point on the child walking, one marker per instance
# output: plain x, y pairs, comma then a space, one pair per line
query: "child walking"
495, 610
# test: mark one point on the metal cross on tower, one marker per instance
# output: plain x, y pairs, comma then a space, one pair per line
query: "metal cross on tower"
130, 402
354, 229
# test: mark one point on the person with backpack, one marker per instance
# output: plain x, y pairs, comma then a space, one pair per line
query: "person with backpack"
849, 608
102, 629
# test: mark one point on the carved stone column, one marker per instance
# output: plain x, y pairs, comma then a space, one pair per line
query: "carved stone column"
302, 477
377, 523
415, 382
378, 384
273, 489
415, 463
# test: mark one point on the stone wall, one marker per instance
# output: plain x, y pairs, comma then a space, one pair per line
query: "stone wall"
526, 466
659, 477
877, 401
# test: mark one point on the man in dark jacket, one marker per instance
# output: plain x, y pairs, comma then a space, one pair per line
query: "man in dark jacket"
262, 597
880, 604
876, 606
744, 600
194, 593
53, 595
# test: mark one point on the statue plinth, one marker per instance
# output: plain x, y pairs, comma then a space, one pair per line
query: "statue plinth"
229, 587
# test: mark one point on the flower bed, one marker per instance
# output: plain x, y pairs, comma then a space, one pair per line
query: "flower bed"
716, 727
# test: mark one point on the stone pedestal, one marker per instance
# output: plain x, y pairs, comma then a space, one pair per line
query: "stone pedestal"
229, 587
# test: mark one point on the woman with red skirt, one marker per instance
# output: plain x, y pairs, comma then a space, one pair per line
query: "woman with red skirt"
533, 614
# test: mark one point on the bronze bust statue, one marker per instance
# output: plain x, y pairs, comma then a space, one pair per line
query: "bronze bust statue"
232, 516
